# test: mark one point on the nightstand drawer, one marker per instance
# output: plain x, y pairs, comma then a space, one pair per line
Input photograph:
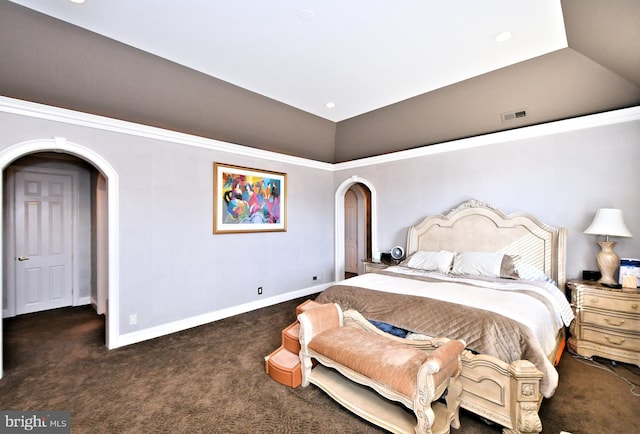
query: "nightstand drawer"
619, 340
631, 324
618, 303
607, 321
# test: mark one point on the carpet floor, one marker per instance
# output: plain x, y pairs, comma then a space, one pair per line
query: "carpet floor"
211, 379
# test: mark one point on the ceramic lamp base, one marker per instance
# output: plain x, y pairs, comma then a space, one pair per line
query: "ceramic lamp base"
608, 262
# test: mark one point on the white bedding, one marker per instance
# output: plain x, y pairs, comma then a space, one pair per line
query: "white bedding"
505, 297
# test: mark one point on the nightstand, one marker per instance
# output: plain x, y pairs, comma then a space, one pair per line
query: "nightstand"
374, 267
607, 321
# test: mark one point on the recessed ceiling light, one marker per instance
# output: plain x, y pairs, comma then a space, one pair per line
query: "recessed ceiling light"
77, 1
503, 36
330, 105
307, 14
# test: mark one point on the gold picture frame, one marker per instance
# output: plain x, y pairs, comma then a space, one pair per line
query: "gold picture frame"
248, 200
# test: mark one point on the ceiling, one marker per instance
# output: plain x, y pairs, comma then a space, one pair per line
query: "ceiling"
402, 74
360, 55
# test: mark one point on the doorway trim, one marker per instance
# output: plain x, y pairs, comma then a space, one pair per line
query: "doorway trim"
60, 144
339, 222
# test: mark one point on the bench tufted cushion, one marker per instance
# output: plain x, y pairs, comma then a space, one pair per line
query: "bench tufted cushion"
385, 361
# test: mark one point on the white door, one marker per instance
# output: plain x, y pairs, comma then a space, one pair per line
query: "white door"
350, 232
43, 235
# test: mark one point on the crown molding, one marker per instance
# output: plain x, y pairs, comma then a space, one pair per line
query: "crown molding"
57, 114
72, 117
563, 126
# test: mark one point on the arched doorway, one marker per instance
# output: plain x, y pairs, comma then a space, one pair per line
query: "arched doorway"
365, 192
357, 228
61, 145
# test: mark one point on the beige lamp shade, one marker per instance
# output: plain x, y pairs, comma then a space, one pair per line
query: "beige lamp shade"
609, 222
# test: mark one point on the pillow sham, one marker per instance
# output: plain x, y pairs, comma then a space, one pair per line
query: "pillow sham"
488, 264
431, 261
508, 269
530, 272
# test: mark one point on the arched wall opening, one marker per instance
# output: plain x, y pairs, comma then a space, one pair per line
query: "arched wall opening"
14, 152
339, 251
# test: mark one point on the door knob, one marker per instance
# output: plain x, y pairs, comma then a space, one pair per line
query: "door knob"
23, 258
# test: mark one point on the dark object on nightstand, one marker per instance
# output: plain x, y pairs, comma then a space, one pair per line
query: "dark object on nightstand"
397, 253
591, 275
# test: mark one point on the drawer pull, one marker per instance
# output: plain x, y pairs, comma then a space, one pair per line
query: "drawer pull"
614, 323
594, 300
634, 306
613, 342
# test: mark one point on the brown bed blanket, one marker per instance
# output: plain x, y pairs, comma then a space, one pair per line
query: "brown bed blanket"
485, 332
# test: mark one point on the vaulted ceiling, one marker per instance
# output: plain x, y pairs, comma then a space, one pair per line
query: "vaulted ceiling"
401, 74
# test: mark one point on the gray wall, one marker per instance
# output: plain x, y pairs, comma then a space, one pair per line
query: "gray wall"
172, 267
560, 178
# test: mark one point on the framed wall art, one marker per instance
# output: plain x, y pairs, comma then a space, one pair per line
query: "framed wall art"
248, 200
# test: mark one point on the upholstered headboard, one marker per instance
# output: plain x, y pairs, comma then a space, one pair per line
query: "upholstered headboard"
478, 226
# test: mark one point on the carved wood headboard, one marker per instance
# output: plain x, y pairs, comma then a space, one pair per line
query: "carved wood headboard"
478, 226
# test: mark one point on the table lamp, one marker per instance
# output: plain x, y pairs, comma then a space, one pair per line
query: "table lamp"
608, 222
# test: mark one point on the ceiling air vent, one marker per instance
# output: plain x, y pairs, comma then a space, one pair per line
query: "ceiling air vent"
518, 114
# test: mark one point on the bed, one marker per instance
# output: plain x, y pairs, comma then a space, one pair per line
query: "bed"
490, 279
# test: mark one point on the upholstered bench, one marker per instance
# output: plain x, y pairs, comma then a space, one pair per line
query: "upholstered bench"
370, 369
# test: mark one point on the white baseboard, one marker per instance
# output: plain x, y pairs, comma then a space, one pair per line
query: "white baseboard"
83, 301
187, 323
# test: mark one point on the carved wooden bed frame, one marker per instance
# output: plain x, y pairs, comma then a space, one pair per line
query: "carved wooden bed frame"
507, 394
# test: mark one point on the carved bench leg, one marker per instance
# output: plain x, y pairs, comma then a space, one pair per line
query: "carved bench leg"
453, 398
425, 392
305, 360
425, 416
306, 365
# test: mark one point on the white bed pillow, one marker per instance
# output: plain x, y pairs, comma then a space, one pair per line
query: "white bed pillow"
488, 264
530, 272
431, 261
478, 263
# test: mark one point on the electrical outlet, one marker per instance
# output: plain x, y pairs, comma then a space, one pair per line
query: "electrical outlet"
133, 319
259, 290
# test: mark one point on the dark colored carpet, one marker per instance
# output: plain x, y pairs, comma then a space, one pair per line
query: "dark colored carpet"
211, 379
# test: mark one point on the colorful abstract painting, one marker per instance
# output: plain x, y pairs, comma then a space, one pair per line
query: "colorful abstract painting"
248, 200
